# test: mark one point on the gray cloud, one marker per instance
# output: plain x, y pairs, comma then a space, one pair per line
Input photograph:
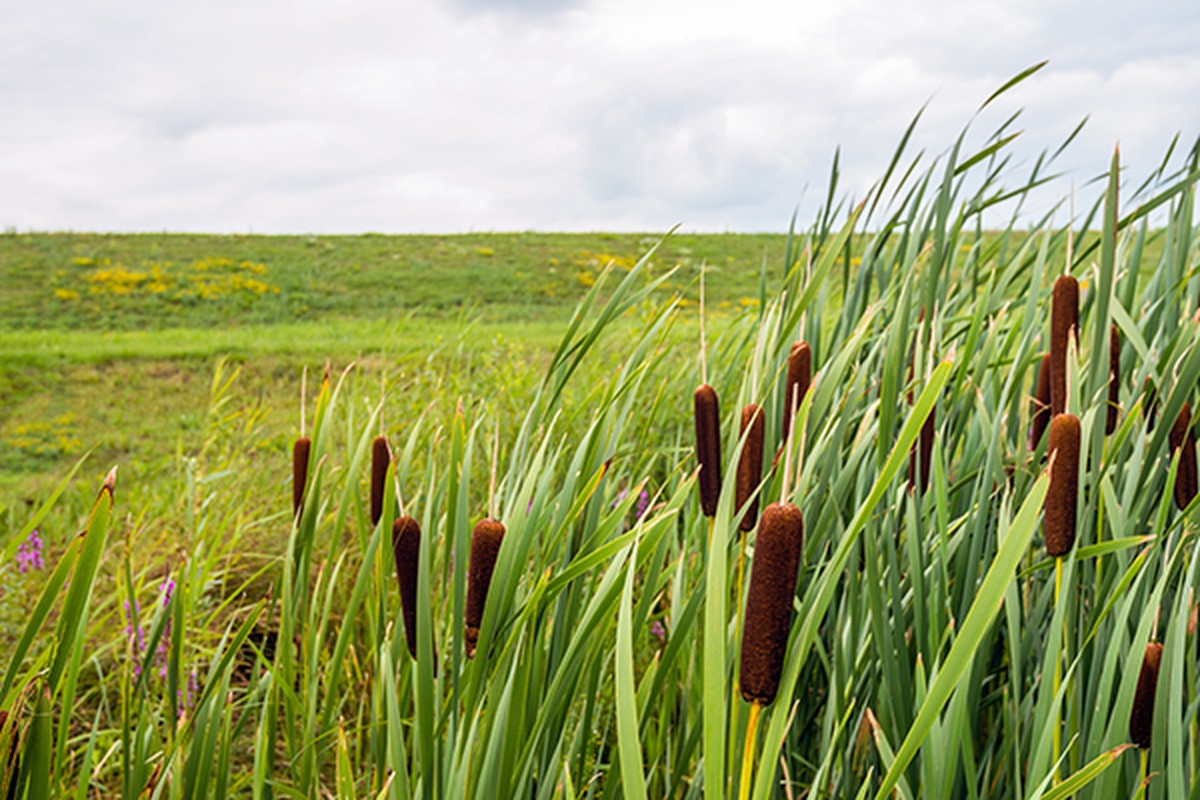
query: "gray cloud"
293, 117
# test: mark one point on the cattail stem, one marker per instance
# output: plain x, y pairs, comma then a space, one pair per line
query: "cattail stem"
1056, 736
748, 751
703, 356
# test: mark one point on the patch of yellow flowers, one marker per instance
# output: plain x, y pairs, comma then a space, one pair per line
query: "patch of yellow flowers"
203, 279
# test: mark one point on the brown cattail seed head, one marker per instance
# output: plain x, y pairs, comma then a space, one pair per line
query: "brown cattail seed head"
1141, 718
708, 446
777, 550
749, 472
406, 547
485, 546
1114, 379
381, 459
1064, 324
920, 455
1064, 484
1184, 439
1041, 404
799, 378
300, 454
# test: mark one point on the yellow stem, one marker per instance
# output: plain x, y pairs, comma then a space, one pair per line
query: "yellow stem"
1056, 738
748, 752
711, 521
1145, 755
737, 598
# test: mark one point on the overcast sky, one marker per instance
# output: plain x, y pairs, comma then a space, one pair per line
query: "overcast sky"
476, 115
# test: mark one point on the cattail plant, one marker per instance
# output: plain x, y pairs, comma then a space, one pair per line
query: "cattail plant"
485, 546
1114, 379
381, 459
406, 547
1041, 404
1183, 439
300, 455
799, 378
749, 472
1064, 326
768, 617
707, 411
1141, 717
1062, 492
777, 551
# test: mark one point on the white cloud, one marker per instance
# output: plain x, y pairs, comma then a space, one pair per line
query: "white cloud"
545, 114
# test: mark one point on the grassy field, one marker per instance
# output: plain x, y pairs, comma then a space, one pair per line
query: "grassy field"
240, 621
110, 341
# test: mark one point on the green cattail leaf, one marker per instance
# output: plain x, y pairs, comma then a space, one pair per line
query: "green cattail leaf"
35, 765
1085, 775
979, 618
629, 748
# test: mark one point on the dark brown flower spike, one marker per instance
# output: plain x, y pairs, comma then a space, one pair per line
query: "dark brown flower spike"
1114, 380
381, 459
768, 619
799, 378
485, 546
1064, 325
1064, 484
1041, 404
300, 455
406, 548
1141, 717
920, 456
1183, 439
749, 471
708, 446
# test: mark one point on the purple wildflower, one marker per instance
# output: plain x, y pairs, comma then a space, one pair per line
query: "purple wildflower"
621, 495
657, 630
642, 503
29, 553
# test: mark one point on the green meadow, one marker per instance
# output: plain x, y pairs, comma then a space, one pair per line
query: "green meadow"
250, 490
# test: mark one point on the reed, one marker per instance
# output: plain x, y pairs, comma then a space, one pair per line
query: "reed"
1041, 404
1061, 496
381, 459
300, 456
777, 551
1064, 327
707, 411
749, 471
1114, 379
1183, 439
485, 546
1141, 717
406, 548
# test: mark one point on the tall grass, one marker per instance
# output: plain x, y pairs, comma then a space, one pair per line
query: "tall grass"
925, 626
